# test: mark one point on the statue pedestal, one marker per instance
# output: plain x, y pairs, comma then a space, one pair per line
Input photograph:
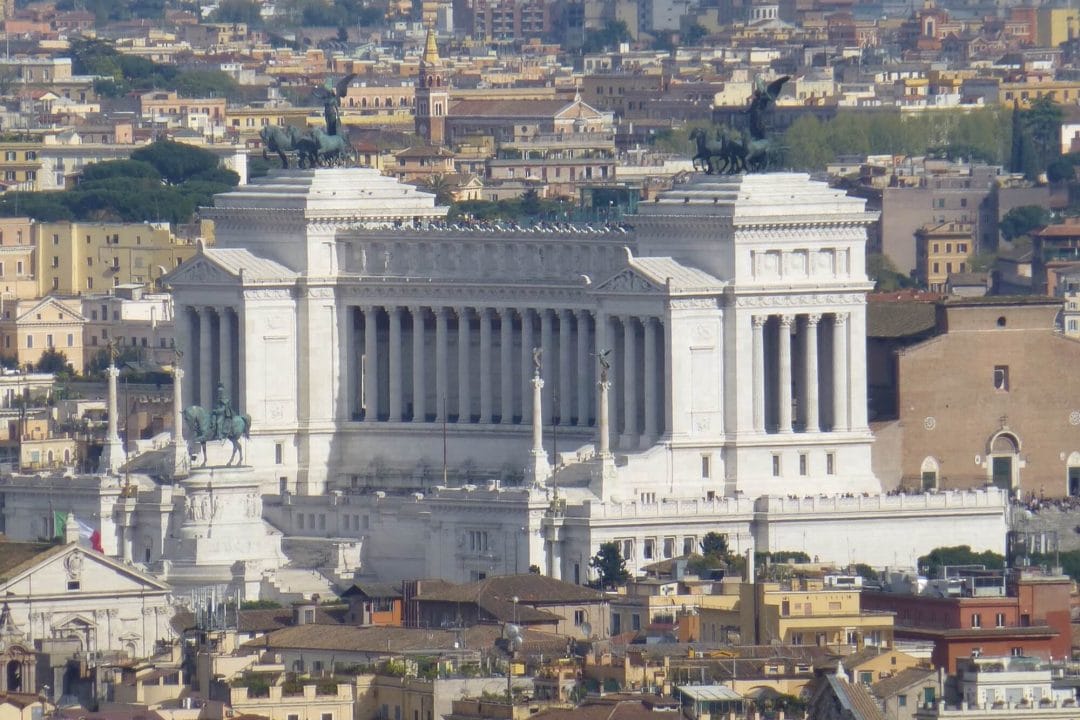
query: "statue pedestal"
538, 470
602, 475
112, 457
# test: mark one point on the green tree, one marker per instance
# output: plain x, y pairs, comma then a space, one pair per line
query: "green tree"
1060, 170
807, 145
610, 567
175, 161
206, 83
1022, 220
440, 186
694, 35
54, 361
530, 203
606, 38
238, 11
933, 562
881, 270
113, 169
714, 543
1042, 121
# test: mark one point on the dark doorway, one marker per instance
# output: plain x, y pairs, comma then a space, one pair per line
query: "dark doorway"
14, 676
1074, 481
1002, 469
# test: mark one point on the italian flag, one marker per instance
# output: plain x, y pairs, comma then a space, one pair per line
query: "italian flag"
87, 535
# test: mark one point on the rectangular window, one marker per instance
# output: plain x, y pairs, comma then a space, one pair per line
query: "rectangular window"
89, 262
1001, 378
73, 585
999, 620
70, 340
648, 549
279, 453
901, 700
937, 268
803, 464
56, 261
635, 622
705, 462
830, 463
579, 617
18, 268
776, 465
976, 620
1017, 652
669, 548
688, 545
628, 549
29, 341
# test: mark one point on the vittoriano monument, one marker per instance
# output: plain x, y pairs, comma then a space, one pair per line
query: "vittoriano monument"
219, 423
731, 153
317, 146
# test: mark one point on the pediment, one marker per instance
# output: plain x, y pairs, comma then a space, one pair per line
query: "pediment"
631, 282
96, 574
200, 271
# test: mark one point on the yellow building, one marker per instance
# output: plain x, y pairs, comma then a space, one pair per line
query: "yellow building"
248, 120
20, 165
1057, 25
17, 281
30, 327
1065, 92
75, 258
807, 611
940, 250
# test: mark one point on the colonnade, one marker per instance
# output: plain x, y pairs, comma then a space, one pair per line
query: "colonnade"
209, 337
794, 390
474, 365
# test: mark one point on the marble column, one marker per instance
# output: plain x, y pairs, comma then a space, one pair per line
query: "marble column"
527, 344
840, 372
630, 427
566, 391
538, 466
652, 379
464, 391
583, 374
506, 374
485, 366
784, 394
178, 406
225, 353
419, 350
758, 322
813, 423
547, 342
371, 363
394, 361
603, 425
441, 359
206, 373
112, 451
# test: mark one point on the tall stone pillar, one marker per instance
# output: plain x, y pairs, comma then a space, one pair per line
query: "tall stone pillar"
652, 380
206, 371
840, 372
394, 362
419, 357
527, 343
566, 389
630, 404
583, 372
225, 353
758, 322
506, 362
813, 423
177, 451
538, 470
784, 395
485, 366
547, 342
603, 424
441, 360
112, 453
371, 363
464, 391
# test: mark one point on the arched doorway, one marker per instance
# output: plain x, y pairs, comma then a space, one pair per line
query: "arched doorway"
1072, 474
1005, 460
13, 676
930, 473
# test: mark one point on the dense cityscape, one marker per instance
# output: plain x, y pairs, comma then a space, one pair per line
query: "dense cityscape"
507, 359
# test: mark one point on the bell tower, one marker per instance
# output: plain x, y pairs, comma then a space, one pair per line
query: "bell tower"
432, 94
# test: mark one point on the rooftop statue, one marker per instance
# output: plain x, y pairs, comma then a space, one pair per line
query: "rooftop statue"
316, 146
730, 154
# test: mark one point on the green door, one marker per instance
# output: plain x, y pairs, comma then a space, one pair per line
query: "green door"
1002, 469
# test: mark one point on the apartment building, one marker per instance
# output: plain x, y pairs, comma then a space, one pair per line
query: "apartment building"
942, 249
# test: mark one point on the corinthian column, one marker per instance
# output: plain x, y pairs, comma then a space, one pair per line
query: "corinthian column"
485, 366
526, 363
419, 387
547, 343
371, 364
649, 386
758, 322
206, 373
812, 421
630, 427
583, 373
506, 378
566, 392
785, 373
394, 361
441, 359
225, 354
840, 372
538, 465
464, 393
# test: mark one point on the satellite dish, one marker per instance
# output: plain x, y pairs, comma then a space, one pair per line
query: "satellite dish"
586, 629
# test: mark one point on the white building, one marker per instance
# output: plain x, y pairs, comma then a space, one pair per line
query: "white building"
386, 359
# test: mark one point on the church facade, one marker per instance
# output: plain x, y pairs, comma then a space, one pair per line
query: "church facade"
473, 400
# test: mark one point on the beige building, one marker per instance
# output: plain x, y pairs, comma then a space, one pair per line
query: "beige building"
30, 327
17, 280
942, 249
75, 258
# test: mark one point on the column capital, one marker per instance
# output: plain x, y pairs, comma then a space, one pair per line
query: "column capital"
759, 320
368, 309
505, 313
813, 319
787, 320
585, 313
392, 309
440, 311
484, 312
461, 311
416, 309
840, 319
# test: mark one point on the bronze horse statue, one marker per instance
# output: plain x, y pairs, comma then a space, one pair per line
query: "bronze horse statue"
280, 140
230, 428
